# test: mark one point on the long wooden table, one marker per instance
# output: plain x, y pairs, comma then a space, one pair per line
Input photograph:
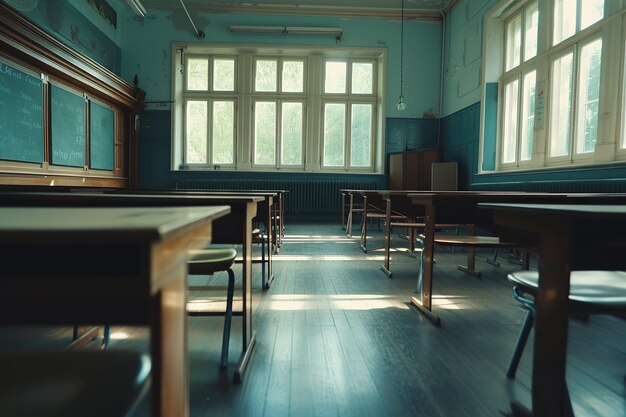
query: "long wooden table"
108, 265
233, 228
569, 237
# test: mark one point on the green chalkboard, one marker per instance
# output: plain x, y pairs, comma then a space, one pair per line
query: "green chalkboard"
21, 115
67, 120
101, 136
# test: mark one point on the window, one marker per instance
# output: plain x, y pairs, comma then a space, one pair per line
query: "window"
571, 16
518, 111
284, 108
210, 104
279, 105
349, 112
550, 97
575, 129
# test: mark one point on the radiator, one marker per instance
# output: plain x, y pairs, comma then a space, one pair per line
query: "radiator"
616, 185
303, 196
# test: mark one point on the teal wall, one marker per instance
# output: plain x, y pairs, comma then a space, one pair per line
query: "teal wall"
78, 25
146, 49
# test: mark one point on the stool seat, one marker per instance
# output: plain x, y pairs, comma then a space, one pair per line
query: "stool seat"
71, 383
606, 289
590, 292
475, 241
210, 260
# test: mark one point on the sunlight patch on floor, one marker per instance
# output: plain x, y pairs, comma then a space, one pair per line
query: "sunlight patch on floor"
292, 302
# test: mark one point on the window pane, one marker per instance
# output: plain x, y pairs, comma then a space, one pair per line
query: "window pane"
589, 90
264, 132
360, 135
528, 116
560, 115
513, 42
197, 74
592, 11
223, 132
564, 20
293, 77
196, 131
265, 78
224, 75
362, 74
335, 81
509, 142
291, 134
530, 36
334, 123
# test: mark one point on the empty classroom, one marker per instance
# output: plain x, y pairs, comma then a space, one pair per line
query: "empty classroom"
313, 208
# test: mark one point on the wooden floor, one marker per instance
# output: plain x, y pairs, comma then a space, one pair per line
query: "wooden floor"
336, 337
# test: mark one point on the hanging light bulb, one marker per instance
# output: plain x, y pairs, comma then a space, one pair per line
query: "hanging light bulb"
401, 105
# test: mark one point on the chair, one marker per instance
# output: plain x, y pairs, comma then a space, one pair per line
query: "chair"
591, 292
207, 262
72, 383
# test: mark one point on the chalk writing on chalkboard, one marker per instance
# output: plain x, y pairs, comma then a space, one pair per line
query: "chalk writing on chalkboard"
101, 139
21, 115
68, 127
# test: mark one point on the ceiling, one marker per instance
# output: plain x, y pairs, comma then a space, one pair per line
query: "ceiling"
413, 8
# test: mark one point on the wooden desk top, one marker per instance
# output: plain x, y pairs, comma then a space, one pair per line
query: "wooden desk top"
573, 210
126, 224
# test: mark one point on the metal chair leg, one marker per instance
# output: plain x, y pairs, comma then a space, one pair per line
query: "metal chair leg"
228, 317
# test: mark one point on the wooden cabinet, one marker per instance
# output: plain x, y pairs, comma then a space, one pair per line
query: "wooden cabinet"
411, 170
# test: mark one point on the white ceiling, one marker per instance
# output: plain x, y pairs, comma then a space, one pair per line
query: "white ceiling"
413, 8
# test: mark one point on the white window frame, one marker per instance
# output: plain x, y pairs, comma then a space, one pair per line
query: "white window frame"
611, 123
312, 99
348, 98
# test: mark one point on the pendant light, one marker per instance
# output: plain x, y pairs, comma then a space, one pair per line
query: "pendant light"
401, 105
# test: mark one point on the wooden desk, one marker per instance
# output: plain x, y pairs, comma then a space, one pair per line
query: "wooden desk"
460, 207
233, 228
569, 237
108, 266
265, 213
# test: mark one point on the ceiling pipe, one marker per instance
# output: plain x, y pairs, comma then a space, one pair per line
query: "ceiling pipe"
200, 34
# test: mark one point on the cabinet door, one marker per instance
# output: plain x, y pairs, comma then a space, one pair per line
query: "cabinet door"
395, 181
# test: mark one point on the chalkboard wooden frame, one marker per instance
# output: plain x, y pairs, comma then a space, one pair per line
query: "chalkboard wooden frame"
28, 46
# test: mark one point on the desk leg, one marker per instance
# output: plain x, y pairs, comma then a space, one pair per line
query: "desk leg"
424, 302
549, 389
248, 338
471, 255
364, 225
343, 211
168, 346
271, 241
385, 266
350, 208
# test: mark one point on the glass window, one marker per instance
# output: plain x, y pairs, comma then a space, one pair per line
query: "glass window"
223, 132
589, 93
292, 117
334, 133
509, 142
224, 74
265, 75
571, 16
335, 77
528, 116
198, 74
265, 133
361, 135
293, 77
531, 31
514, 42
196, 131
562, 75
362, 78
